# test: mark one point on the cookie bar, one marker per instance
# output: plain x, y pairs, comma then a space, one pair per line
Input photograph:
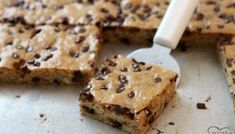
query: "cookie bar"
141, 18
47, 54
72, 12
128, 94
226, 51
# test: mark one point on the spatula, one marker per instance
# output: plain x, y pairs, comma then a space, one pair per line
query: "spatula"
168, 35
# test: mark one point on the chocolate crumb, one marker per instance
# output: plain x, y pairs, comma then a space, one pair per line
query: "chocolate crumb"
171, 123
41, 115
201, 106
18, 96
208, 99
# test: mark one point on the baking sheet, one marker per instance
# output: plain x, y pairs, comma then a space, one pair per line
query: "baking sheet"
54, 109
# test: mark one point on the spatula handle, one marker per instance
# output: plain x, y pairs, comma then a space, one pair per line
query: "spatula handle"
174, 22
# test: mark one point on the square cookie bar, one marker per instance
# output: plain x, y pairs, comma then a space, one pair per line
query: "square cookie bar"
226, 51
128, 94
72, 12
47, 54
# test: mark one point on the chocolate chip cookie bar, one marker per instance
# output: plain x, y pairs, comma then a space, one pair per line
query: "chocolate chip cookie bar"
71, 12
226, 51
128, 94
47, 54
141, 18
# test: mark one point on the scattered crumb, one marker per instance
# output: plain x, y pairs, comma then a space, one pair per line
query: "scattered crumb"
41, 115
201, 106
81, 119
18, 96
208, 99
171, 123
190, 98
45, 119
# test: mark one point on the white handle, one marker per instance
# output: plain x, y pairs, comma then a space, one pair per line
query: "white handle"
174, 22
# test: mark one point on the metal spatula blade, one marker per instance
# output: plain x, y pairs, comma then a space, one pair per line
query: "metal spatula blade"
158, 55
168, 35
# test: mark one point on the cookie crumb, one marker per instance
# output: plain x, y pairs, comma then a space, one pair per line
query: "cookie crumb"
208, 99
201, 106
18, 96
171, 123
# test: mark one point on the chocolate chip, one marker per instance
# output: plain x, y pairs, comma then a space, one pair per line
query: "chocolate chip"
15, 56
116, 124
77, 76
110, 62
48, 57
65, 21
124, 69
122, 111
201, 106
123, 79
104, 87
85, 49
231, 5
73, 54
87, 88
80, 39
18, 65
171, 123
131, 95
200, 16
105, 71
104, 10
229, 62
37, 56
217, 7
91, 63
88, 110
232, 72
9, 43
120, 88
174, 78
140, 63
157, 80
136, 67
148, 68
29, 49
84, 96
210, 2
